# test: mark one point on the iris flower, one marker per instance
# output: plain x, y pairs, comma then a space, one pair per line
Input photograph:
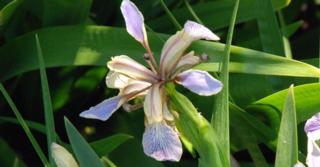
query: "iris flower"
312, 128
161, 138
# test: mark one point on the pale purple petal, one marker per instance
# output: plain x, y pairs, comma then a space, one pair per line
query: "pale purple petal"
312, 127
200, 82
162, 143
134, 21
103, 110
313, 157
198, 31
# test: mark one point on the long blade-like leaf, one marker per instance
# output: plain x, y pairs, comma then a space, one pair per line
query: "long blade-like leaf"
287, 147
47, 105
306, 97
24, 125
94, 45
84, 153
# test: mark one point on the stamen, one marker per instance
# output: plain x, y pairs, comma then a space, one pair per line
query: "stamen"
146, 57
204, 57
151, 58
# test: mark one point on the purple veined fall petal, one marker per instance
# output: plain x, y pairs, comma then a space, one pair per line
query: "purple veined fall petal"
312, 127
62, 157
117, 80
199, 82
134, 21
198, 31
161, 142
130, 68
153, 104
103, 110
313, 156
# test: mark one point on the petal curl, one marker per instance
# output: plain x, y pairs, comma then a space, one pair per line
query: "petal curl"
200, 82
153, 104
103, 110
198, 31
312, 127
130, 68
62, 157
117, 80
134, 21
162, 143
313, 157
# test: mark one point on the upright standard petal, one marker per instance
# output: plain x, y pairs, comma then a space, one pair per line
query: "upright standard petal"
153, 104
134, 21
103, 110
313, 157
172, 51
200, 82
198, 31
62, 157
130, 68
161, 142
312, 127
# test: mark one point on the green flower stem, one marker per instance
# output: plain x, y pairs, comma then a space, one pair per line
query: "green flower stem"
173, 19
194, 15
26, 129
220, 116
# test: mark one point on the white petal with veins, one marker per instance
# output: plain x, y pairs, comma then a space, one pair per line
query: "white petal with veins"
130, 68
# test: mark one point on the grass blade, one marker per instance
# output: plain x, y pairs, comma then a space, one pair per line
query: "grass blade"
48, 112
7, 11
220, 116
107, 145
269, 31
82, 150
172, 18
287, 147
24, 125
194, 15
